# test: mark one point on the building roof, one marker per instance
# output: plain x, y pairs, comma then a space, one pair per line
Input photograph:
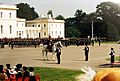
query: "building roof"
8, 6
45, 20
21, 20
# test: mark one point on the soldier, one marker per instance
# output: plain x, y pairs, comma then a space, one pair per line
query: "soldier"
86, 52
12, 45
58, 50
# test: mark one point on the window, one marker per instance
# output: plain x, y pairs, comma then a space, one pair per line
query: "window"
44, 33
10, 29
10, 15
1, 14
22, 33
60, 32
55, 32
33, 25
52, 32
44, 25
38, 25
51, 25
17, 24
17, 33
1, 29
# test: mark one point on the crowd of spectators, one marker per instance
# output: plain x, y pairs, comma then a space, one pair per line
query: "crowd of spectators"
17, 73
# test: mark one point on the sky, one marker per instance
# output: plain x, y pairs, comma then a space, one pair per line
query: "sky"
66, 8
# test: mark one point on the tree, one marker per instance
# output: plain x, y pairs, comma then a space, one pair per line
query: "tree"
79, 14
110, 13
79, 19
25, 11
72, 33
73, 25
112, 34
60, 17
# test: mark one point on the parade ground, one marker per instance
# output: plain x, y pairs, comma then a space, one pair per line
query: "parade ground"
72, 57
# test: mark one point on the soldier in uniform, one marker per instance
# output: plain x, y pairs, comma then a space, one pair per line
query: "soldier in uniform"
86, 52
58, 50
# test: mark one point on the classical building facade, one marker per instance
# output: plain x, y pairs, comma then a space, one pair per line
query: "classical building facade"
13, 27
45, 27
7, 20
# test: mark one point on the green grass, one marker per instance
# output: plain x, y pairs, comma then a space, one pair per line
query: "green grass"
117, 58
108, 42
54, 74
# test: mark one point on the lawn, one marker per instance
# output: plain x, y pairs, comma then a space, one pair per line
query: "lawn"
117, 58
55, 74
107, 42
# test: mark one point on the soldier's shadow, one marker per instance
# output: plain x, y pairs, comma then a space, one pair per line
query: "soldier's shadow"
107, 65
40, 59
79, 60
50, 62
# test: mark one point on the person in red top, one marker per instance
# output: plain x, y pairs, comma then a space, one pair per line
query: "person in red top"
12, 75
25, 74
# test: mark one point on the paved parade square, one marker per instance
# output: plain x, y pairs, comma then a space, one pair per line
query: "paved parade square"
72, 57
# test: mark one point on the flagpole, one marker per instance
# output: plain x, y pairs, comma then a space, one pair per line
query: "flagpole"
92, 29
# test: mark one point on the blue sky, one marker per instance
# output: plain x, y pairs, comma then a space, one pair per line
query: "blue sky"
66, 8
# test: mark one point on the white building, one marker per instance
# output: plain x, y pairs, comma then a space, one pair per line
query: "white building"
13, 27
20, 28
7, 20
45, 27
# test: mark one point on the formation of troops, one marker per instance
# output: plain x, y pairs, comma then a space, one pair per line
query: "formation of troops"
29, 42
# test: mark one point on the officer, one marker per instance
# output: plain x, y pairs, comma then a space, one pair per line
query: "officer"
86, 52
58, 50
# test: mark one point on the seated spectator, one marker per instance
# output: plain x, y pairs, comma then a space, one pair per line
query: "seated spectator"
32, 74
19, 76
12, 75
25, 74
2, 75
7, 71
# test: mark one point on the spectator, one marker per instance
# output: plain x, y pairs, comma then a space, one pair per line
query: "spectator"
25, 74
32, 74
2, 76
112, 54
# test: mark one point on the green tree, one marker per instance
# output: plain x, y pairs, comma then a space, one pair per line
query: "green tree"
112, 34
110, 13
79, 17
25, 11
72, 32
60, 17
73, 25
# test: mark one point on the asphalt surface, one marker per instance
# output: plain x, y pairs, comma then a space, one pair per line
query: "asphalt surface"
72, 57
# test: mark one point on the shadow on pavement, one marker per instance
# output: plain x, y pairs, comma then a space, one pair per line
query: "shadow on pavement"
104, 66
108, 66
50, 63
79, 60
